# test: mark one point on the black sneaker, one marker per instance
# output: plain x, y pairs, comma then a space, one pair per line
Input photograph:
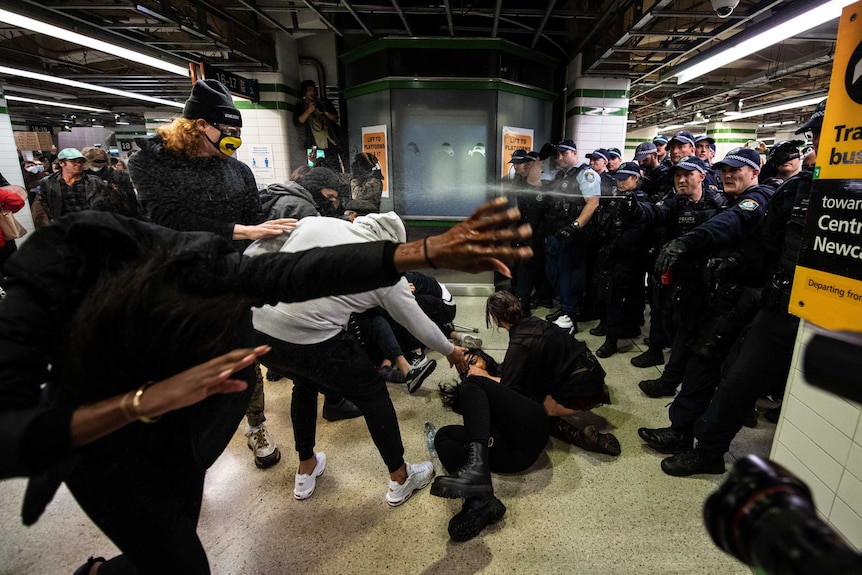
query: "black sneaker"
658, 388
417, 375
344, 409
751, 419
648, 358
693, 462
666, 439
772, 415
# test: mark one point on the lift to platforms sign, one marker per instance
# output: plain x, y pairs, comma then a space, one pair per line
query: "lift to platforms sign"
827, 285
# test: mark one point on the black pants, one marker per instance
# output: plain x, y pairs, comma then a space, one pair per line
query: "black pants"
514, 425
757, 365
339, 364
143, 485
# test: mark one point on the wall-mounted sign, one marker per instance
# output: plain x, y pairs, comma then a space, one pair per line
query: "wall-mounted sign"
374, 142
243, 87
514, 139
827, 285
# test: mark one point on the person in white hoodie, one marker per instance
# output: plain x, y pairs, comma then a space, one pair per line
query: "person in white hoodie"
312, 345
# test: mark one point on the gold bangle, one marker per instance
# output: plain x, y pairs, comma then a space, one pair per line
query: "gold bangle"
136, 404
125, 409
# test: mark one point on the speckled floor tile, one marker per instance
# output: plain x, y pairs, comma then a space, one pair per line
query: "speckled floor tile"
572, 512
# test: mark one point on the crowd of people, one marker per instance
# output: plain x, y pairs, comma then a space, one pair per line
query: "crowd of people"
136, 319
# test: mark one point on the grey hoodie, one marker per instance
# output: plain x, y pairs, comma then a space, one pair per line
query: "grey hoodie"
320, 319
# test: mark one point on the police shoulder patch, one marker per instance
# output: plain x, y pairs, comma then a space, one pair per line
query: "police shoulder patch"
748, 205
590, 177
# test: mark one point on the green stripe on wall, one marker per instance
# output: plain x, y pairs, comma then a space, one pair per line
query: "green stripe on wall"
597, 93
581, 111
448, 84
731, 140
446, 44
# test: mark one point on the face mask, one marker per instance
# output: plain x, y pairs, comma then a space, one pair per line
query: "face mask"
226, 144
94, 169
36, 169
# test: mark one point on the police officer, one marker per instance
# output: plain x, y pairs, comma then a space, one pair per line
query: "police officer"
575, 191
812, 128
786, 159
615, 160
619, 271
599, 160
723, 240
771, 334
704, 148
530, 273
646, 155
676, 301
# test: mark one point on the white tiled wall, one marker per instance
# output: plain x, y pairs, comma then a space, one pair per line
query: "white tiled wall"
819, 439
598, 131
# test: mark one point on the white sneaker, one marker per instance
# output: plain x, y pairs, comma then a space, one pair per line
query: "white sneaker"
266, 453
564, 322
303, 485
468, 341
418, 476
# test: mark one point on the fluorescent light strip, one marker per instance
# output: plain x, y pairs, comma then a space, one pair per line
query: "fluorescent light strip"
57, 104
732, 116
88, 42
83, 86
778, 33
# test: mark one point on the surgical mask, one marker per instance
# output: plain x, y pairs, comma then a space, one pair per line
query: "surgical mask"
226, 144
94, 168
36, 169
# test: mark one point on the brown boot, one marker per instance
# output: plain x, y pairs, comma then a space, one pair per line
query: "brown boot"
588, 438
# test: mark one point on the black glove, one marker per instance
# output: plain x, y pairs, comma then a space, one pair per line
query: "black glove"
633, 211
718, 268
568, 231
670, 252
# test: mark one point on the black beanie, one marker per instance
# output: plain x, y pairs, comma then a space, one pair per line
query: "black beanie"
211, 101
316, 180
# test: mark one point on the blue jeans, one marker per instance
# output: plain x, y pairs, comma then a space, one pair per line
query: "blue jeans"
566, 270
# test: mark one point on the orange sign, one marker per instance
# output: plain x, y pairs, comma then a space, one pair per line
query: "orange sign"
374, 142
514, 139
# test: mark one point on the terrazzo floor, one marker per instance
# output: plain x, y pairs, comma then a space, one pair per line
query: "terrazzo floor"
572, 512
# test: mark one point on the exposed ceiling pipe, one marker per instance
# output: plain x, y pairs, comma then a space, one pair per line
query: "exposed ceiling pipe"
448, 7
541, 26
323, 18
398, 9
496, 26
356, 17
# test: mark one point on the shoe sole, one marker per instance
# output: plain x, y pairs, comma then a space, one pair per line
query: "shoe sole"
478, 520
416, 382
443, 488
268, 461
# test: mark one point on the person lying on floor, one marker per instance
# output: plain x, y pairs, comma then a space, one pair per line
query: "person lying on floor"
312, 345
508, 417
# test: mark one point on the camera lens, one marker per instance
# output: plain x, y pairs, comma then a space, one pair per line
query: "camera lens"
764, 516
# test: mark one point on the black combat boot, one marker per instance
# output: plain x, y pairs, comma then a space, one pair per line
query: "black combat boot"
667, 439
472, 479
693, 462
476, 514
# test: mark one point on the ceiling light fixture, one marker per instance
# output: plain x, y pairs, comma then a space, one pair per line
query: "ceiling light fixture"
733, 116
89, 42
57, 104
83, 86
35, 92
755, 39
